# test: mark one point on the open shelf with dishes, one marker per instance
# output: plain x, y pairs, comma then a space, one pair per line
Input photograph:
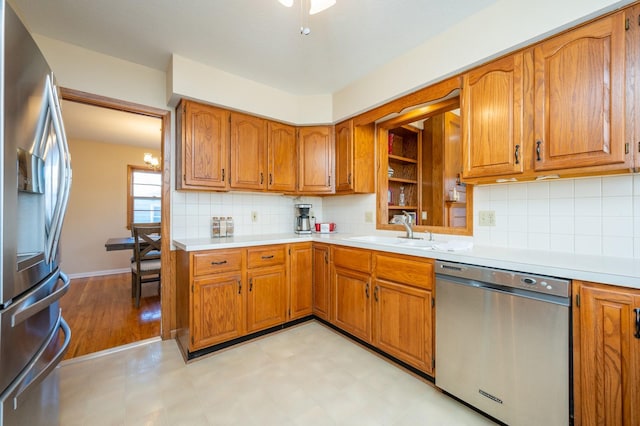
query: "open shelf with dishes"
404, 149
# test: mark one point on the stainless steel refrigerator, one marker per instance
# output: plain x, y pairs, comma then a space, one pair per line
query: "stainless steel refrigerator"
34, 189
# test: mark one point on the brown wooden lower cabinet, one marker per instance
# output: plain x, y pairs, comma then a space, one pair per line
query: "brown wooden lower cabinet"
229, 293
266, 298
301, 280
385, 299
352, 308
216, 310
606, 354
321, 281
403, 323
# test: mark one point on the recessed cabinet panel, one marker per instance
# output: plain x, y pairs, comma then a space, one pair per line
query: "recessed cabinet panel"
315, 162
606, 355
216, 310
579, 97
205, 143
492, 111
248, 152
282, 157
266, 298
344, 157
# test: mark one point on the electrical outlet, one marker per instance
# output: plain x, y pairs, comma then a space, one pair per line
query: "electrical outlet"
254, 216
423, 215
368, 217
487, 218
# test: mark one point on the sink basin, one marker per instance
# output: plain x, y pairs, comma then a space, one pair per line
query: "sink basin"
395, 241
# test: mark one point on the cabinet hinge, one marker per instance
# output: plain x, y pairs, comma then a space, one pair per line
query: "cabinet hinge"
626, 148
626, 24
578, 300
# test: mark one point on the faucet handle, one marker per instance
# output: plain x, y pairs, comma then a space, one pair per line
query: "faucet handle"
408, 218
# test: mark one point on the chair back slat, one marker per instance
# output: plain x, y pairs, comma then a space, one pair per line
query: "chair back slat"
147, 241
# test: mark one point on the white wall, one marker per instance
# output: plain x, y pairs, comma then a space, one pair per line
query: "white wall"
502, 26
191, 79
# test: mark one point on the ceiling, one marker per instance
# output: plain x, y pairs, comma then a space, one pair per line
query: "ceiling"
255, 39
90, 123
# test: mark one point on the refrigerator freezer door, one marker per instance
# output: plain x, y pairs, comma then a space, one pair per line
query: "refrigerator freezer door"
32, 399
27, 323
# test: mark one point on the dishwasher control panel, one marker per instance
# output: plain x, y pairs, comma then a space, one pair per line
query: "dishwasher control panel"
502, 277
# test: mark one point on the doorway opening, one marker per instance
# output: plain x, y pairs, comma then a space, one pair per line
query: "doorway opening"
108, 142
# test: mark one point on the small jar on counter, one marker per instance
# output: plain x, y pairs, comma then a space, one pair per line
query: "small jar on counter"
215, 227
230, 226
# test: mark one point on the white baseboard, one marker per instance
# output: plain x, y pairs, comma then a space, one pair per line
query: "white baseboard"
99, 273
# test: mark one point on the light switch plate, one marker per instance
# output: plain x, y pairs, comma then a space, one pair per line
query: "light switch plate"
487, 218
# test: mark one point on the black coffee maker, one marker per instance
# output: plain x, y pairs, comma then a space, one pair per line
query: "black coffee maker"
302, 221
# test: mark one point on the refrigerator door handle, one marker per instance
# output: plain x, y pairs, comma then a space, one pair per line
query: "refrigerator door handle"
19, 389
31, 309
62, 197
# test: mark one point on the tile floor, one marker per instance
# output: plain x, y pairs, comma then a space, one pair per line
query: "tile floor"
306, 375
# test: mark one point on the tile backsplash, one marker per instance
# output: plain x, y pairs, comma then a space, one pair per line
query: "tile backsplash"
596, 215
192, 212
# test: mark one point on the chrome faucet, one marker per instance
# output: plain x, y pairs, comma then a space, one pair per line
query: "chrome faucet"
408, 223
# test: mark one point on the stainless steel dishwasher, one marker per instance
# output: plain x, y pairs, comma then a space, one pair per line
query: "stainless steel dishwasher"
502, 342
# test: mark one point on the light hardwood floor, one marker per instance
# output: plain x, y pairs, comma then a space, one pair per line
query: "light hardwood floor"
102, 314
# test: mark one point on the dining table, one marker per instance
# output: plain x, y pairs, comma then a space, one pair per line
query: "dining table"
119, 243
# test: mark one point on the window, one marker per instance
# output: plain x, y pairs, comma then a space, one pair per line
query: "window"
143, 195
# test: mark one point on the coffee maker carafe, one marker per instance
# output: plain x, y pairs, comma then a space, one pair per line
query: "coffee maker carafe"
303, 222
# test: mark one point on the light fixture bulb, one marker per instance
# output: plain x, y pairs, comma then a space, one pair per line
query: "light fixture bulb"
318, 6
286, 3
305, 30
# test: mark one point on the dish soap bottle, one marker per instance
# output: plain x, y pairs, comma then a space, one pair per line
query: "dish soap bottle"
401, 200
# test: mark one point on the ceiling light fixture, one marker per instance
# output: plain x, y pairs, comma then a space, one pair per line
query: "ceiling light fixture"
151, 161
313, 6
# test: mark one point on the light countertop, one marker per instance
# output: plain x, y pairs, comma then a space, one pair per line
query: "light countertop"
608, 270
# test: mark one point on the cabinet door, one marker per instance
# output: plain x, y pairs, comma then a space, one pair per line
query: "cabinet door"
266, 298
315, 165
216, 310
321, 298
248, 152
402, 323
205, 141
352, 305
282, 157
344, 157
492, 109
633, 82
579, 97
301, 287
607, 356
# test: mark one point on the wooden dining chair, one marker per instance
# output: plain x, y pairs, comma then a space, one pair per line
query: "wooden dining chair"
146, 266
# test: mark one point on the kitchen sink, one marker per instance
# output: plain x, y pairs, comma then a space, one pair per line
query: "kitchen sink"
395, 241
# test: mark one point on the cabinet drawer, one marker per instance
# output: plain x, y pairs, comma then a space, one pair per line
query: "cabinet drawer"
405, 270
356, 259
258, 257
213, 262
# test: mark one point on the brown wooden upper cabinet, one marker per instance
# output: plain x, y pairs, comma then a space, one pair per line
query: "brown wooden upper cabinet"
557, 107
632, 22
492, 131
579, 97
203, 161
281, 157
315, 159
248, 152
355, 148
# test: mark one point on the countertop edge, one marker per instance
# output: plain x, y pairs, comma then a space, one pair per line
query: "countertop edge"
623, 272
